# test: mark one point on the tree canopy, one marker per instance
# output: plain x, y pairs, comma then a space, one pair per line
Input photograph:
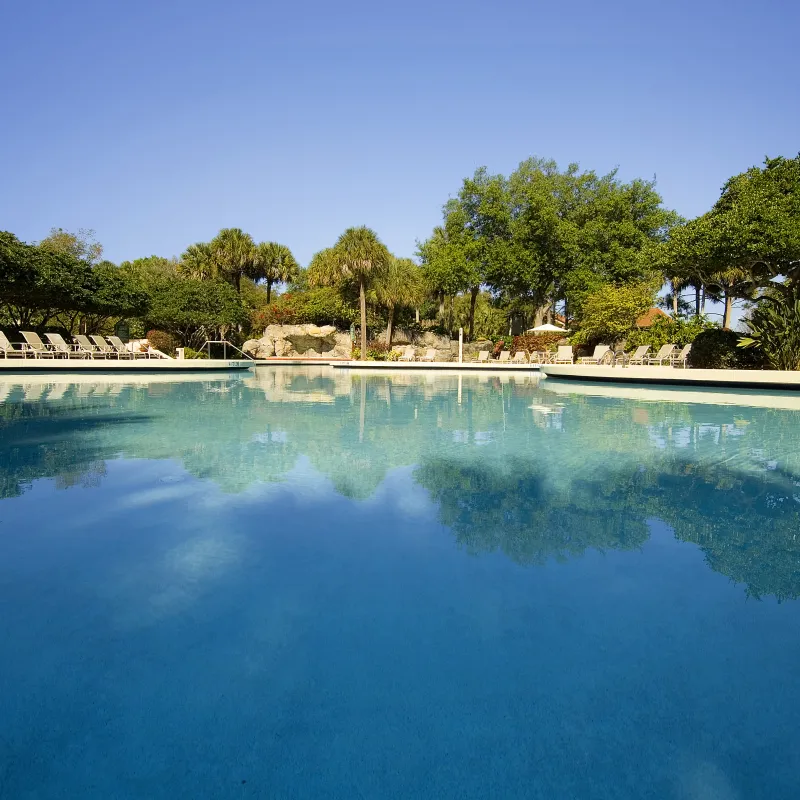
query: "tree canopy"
750, 236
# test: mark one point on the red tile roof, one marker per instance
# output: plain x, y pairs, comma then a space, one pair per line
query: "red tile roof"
649, 317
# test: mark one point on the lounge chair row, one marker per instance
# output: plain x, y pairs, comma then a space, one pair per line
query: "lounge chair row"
668, 355
409, 354
56, 347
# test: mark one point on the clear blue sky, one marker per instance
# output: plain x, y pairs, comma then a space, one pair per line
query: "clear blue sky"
157, 123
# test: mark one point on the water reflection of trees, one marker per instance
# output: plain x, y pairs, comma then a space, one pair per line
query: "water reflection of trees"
513, 467
509, 507
746, 525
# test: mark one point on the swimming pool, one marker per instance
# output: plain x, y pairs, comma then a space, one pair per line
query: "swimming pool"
316, 583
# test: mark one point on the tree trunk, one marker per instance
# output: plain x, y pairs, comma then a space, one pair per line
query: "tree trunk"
390, 327
237, 282
473, 292
726, 319
441, 307
703, 300
697, 301
363, 299
674, 300
541, 315
269, 291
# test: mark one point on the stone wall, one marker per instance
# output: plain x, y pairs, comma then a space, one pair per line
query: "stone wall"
311, 341
295, 341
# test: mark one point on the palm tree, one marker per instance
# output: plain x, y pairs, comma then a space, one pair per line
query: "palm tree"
274, 263
198, 262
234, 253
730, 281
359, 256
402, 285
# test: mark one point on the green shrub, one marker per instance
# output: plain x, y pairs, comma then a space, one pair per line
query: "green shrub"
718, 349
377, 350
190, 353
163, 341
666, 330
610, 313
323, 306
775, 328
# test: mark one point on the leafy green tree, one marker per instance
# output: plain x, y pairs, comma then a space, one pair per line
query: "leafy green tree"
358, 256
194, 310
115, 293
542, 236
38, 282
750, 235
577, 231
402, 285
274, 263
81, 245
473, 238
611, 312
152, 269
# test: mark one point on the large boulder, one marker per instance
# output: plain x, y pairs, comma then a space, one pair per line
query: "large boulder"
259, 348
429, 339
471, 349
299, 341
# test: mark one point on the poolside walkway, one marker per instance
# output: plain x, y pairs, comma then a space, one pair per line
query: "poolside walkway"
489, 366
675, 376
10, 366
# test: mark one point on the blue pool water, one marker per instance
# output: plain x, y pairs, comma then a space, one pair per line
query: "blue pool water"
310, 583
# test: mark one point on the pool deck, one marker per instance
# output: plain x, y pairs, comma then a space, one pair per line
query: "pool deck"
10, 366
675, 376
438, 366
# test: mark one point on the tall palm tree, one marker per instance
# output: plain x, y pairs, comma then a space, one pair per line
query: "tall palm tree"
359, 256
274, 263
234, 253
198, 262
401, 286
730, 281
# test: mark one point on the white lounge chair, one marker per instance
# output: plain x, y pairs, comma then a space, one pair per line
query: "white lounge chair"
679, 359
103, 346
483, 357
639, 355
122, 351
35, 346
600, 353
86, 347
564, 354
505, 355
9, 348
664, 354
430, 355
60, 347
409, 354
520, 357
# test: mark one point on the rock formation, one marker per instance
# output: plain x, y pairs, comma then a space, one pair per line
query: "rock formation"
295, 341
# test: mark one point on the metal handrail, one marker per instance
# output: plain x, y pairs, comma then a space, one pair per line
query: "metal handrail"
225, 344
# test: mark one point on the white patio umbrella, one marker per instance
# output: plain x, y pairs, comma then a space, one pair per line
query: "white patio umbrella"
547, 327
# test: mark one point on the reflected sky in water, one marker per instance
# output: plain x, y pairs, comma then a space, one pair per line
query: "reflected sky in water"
317, 583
